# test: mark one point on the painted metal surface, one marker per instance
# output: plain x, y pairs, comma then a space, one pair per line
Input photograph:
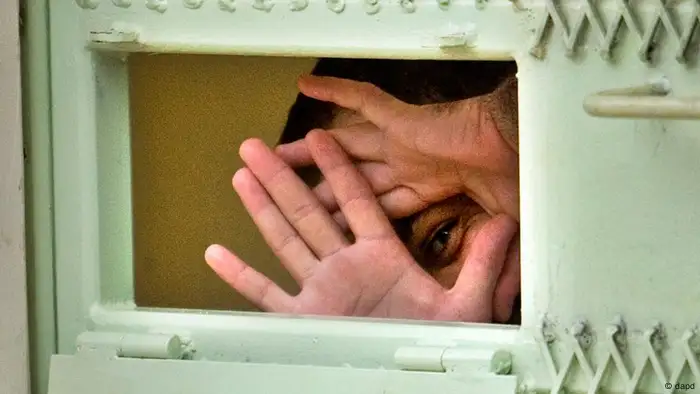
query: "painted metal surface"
138, 377
609, 206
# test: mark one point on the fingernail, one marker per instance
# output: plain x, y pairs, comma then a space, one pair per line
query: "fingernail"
307, 78
238, 176
303, 80
249, 146
245, 147
214, 254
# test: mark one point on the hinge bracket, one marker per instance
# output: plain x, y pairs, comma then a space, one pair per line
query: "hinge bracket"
453, 359
132, 345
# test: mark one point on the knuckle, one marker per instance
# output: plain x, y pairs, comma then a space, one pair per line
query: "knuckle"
283, 242
275, 177
369, 92
302, 211
369, 88
265, 291
354, 197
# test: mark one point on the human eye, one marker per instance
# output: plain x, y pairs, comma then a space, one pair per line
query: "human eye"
437, 236
442, 244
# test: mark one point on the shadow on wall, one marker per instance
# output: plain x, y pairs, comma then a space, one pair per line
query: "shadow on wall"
189, 115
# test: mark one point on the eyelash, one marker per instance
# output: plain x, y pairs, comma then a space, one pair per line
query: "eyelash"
438, 257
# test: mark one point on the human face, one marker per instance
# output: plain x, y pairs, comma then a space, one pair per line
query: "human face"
440, 238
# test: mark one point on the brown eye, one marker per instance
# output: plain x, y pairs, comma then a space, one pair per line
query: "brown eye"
436, 245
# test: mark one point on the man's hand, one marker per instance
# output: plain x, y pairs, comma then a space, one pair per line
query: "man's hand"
417, 155
374, 276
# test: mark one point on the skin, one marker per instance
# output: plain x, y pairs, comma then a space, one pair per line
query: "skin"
373, 276
412, 168
440, 236
417, 155
409, 167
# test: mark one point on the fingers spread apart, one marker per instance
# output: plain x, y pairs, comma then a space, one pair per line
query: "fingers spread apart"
282, 238
253, 285
379, 176
352, 192
289, 215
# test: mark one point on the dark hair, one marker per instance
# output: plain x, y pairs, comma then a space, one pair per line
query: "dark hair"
412, 81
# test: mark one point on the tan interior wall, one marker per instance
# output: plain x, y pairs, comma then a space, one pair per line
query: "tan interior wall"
189, 115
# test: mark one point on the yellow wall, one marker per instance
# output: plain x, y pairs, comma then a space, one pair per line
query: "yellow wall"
189, 115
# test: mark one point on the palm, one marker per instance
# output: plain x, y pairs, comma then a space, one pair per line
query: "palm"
339, 285
374, 276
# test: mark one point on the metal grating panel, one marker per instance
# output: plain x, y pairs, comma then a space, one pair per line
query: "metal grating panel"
654, 363
625, 16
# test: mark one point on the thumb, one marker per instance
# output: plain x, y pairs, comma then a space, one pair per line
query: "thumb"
485, 260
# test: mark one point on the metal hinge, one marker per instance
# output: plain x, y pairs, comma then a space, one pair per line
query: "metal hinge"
453, 359
131, 345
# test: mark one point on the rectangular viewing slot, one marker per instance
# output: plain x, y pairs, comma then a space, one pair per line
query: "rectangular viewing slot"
188, 116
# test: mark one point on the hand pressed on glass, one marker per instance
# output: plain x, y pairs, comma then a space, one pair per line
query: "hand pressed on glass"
373, 276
